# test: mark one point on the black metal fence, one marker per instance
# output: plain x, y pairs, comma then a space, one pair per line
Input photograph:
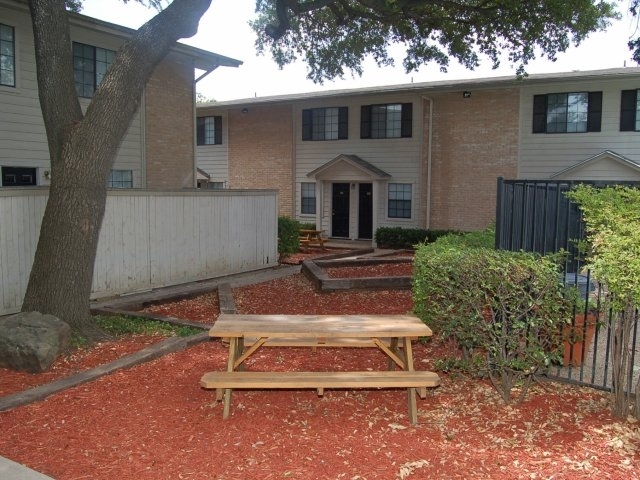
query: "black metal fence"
536, 216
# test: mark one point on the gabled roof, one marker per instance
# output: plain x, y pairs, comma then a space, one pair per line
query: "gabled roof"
607, 154
353, 161
440, 86
203, 59
202, 175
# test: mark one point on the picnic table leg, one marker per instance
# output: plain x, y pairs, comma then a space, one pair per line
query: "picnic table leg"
393, 346
234, 345
411, 392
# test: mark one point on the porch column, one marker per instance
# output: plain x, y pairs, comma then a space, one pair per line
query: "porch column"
319, 203
376, 188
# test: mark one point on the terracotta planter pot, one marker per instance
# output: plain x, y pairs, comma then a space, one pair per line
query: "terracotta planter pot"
577, 335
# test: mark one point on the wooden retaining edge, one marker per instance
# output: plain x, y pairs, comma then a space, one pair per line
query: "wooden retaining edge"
322, 282
225, 299
147, 354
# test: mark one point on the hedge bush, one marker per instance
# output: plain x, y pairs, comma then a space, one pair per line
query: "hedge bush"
508, 307
288, 237
406, 238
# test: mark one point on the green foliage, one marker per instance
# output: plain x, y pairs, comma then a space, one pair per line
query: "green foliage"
119, 325
612, 217
334, 36
288, 236
479, 239
307, 226
398, 238
508, 305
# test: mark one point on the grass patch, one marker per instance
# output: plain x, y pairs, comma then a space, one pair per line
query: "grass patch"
120, 325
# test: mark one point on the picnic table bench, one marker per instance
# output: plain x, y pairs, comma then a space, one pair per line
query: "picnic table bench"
392, 334
311, 237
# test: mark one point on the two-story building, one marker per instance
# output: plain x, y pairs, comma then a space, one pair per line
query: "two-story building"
158, 150
422, 155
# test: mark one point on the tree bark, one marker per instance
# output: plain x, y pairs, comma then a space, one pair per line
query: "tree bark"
83, 148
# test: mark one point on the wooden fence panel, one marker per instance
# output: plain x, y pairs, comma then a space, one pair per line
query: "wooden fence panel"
148, 239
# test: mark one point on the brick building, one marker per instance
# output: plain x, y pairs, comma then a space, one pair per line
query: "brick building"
158, 150
424, 154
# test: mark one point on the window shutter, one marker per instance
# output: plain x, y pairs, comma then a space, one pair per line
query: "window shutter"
200, 131
628, 110
365, 121
539, 113
594, 114
306, 124
407, 120
343, 123
217, 130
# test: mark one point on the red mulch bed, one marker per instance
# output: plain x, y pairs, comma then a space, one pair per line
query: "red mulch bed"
381, 270
154, 421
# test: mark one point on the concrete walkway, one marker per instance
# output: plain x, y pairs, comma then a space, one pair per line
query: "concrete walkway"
14, 471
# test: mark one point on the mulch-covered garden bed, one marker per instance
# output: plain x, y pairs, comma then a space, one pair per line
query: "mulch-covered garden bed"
154, 421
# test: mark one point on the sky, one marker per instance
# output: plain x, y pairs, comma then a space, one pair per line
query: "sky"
224, 30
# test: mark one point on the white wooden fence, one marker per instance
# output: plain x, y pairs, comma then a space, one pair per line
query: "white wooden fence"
149, 239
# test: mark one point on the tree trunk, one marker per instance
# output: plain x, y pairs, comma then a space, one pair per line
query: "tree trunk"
83, 148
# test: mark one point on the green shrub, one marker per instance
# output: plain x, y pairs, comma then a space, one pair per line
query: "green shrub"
307, 226
612, 218
509, 306
479, 239
406, 238
288, 237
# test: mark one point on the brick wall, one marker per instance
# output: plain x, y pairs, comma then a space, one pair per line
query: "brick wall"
169, 133
261, 151
475, 140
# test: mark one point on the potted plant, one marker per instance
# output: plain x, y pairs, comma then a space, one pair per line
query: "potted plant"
578, 335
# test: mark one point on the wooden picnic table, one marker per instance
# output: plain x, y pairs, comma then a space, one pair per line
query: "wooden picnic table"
392, 334
311, 237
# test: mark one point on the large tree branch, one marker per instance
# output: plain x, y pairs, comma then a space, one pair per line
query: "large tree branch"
54, 67
118, 96
419, 12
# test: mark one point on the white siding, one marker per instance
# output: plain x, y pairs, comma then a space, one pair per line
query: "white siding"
148, 239
214, 159
542, 155
22, 133
399, 157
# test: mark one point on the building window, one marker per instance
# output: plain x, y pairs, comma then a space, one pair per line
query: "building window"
399, 200
325, 123
18, 176
7, 56
386, 121
216, 185
567, 112
308, 198
89, 67
209, 130
120, 179
630, 111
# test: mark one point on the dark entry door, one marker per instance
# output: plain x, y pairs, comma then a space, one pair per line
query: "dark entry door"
365, 211
340, 211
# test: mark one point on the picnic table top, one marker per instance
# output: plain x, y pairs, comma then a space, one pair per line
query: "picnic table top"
311, 326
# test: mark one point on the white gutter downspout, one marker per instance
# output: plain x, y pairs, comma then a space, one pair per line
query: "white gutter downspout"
430, 139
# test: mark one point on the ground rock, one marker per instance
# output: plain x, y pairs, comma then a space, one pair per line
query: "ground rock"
31, 341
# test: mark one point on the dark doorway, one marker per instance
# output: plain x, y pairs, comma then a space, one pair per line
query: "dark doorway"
340, 210
365, 211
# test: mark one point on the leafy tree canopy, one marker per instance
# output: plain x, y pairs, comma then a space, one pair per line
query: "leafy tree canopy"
334, 35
